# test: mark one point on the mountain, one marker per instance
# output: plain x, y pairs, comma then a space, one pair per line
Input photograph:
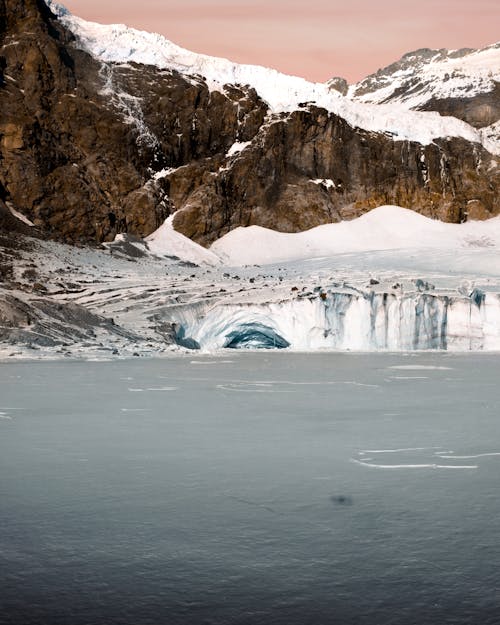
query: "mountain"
108, 130
463, 83
122, 143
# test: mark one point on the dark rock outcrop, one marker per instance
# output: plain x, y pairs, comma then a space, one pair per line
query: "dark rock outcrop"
42, 322
479, 111
79, 140
67, 159
338, 84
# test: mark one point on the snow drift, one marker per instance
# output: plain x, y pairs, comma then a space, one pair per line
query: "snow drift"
383, 228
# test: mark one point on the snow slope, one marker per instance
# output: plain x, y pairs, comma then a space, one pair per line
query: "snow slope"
432, 74
384, 228
168, 242
118, 43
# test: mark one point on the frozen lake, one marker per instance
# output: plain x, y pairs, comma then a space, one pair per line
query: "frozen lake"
251, 489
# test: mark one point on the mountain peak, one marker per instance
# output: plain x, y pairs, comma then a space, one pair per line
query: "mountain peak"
435, 79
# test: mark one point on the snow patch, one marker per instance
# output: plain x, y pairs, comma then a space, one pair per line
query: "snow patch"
159, 175
19, 215
383, 228
166, 241
237, 147
324, 182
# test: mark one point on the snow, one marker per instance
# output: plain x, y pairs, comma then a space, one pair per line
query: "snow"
168, 242
118, 43
324, 182
238, 147
390, 280
19, 215
383, 228
339, 314
164, 173
425, 296
443, 75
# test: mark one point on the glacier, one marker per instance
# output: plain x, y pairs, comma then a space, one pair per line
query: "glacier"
391, 280
348, 319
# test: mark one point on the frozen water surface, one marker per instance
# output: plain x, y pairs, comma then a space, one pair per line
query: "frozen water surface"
271, 488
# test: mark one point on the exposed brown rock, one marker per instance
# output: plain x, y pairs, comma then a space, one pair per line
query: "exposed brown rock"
77, 150
338, 84
88, 150
270, 183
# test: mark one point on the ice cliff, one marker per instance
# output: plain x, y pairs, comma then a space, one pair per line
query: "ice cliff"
347, 320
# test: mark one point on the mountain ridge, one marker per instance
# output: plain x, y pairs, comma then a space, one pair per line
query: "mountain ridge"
464, 83
92, 148
118, 43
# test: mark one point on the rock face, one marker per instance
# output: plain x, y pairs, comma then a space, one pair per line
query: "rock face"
67, 159
312, 168
90, 149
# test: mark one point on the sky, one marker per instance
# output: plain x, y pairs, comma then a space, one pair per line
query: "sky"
316, 39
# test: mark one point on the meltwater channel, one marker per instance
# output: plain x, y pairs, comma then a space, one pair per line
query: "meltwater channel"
269, 488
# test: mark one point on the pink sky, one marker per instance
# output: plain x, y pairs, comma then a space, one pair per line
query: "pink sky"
316, 39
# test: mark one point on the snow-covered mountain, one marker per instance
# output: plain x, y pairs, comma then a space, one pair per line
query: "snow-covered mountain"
108, 130
118, 43
120, 138
465, 83
427, 74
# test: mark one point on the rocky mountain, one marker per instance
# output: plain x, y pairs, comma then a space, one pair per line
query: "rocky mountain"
107, 130
463, 83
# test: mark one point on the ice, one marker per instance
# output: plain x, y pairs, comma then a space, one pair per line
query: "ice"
420, 368
396, 451
408, 377
416, 458
412, 466
348, 320
434, 293
152, 389
485, 455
